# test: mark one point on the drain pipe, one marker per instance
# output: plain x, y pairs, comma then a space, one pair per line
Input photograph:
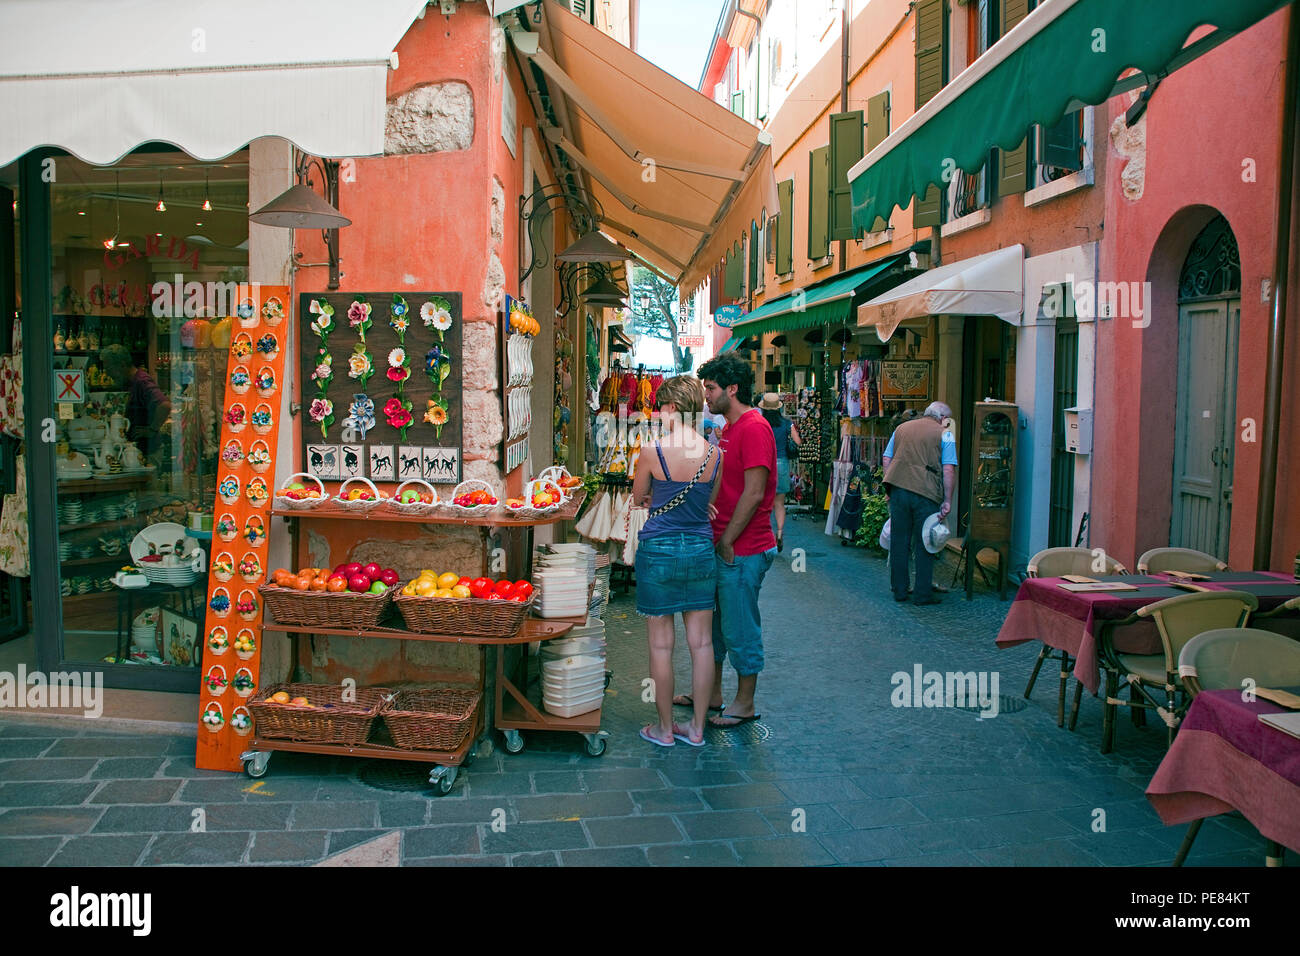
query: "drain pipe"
1287, 173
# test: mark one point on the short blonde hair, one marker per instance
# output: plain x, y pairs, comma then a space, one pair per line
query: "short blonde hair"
684, 391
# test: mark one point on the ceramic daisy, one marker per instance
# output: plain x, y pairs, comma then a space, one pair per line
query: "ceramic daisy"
436, 314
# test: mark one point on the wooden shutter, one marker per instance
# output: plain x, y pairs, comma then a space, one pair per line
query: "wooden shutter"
819, 203
733, 274
931, 74
877, 130
785, 228
1013, 168
846, 149
755, 260
738, 103
1061, 143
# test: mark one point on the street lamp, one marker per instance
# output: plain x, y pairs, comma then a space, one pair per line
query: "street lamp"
645, 301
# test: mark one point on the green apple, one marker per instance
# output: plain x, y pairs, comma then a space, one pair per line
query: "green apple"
378, 587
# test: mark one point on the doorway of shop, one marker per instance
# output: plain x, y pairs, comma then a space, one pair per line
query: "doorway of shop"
1209, 310
988, 372
1065, 389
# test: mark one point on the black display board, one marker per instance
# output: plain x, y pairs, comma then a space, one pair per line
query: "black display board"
427, 451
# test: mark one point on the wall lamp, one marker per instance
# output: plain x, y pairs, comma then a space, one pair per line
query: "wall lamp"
299, 207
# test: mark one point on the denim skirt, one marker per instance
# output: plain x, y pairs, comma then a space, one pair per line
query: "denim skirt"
674, 573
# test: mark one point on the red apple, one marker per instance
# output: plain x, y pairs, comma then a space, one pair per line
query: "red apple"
493, 596
351, 568
504, 588
372, 571
358, 583
465, 582
389, 576
342, 569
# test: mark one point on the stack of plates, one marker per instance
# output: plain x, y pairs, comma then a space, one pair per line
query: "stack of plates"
92, 514
70, 512
173, 575
568, 557
65, 550
144, 631
562, 593
573, 675
111, 509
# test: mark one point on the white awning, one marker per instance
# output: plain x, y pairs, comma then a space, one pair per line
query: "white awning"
991, 284
99, 79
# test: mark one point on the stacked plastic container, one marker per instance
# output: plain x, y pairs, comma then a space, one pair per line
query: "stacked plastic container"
573, 669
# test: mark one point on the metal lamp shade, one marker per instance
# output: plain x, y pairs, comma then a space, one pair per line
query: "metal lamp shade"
604, 290
593, 247
299, 208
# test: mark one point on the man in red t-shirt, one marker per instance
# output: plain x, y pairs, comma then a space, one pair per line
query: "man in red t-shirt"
742, 531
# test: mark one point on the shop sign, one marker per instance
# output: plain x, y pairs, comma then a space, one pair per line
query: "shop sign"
727, 315
691, 341
904, 380
70, 385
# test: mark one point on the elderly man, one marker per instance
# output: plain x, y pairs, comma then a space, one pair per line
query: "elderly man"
920, 472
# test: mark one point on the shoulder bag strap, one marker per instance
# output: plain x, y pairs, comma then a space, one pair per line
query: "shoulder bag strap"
678, 498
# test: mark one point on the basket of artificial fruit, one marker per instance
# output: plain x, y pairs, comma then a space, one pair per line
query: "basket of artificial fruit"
324, 713
473, 607
542, 498
472, 498
351, 596
294, 495
357, 495
411, 500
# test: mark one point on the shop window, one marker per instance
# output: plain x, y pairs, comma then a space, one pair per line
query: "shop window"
147, 261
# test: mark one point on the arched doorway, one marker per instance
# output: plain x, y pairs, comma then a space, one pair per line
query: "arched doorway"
1209, 309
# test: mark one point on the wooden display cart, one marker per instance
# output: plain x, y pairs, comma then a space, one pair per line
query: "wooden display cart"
502, 704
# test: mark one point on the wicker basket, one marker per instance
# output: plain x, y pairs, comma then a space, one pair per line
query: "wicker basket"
358, 506
301, 504
435, 718
448, 508
467, 617
528, 511
420, 509
330, 719
336, 609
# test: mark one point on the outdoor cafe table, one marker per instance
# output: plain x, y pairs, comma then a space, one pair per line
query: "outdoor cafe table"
1071, 621
1224, 758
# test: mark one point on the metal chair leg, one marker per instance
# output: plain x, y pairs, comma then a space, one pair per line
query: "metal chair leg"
1042, 655
1108, 713
1136, 710
1188, 839
1060, 690
1074, 709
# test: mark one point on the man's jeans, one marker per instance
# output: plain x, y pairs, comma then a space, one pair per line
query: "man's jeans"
907, 514
737, 627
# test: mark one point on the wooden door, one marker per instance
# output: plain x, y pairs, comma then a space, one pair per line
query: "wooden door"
1204, 429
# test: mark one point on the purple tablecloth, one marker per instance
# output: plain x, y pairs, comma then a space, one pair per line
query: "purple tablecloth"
1225, 759
1069, 620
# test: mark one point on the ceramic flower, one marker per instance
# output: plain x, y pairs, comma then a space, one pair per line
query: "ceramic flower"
268, 345
359, 316
361, 414
323, 373
242, 348
322, 412
232, 453
398, 413
401, 319
437, 365
360, 365
398, 368
239, 377
273, 310
265, 379
235, 415
245, 309
323, 324
436, 415
436, 314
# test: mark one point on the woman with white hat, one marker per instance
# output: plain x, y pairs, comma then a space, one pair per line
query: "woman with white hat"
787, 445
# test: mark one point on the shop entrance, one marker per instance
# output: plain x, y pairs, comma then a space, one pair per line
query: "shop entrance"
988, 372
1208, 316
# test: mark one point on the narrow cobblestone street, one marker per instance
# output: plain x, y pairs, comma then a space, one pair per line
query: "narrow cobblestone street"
832, 774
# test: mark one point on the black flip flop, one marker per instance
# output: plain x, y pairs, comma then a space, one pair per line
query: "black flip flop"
691, 703
738, 721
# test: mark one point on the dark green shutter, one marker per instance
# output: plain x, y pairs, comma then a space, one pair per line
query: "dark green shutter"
785, 228
755, 260
846, 149
877, 130
733, 275
931, 74
819, 205
1013, 168
738, 103
1061, 144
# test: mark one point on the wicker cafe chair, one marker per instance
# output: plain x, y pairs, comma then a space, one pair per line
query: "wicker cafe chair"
1052, 563
1179, 559
1178, 620
1223, 659
1283, 619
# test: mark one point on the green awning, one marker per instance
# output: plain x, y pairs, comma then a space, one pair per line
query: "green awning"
826, 303
1065, 54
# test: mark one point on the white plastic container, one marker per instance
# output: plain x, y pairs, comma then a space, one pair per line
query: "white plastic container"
574, 709
562, 690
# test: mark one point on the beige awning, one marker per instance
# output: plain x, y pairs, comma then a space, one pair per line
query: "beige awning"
678, 176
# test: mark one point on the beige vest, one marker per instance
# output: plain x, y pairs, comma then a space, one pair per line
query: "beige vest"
916, 462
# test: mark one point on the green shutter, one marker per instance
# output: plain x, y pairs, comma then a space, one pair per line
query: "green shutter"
785, 228
755, 260
846, 149
1013, 170
877, 130
931, 50
819, 203
732, 275
1013, 11
738, 103
926, 212
1061, 144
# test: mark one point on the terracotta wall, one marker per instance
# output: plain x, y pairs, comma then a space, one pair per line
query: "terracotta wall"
1204, 147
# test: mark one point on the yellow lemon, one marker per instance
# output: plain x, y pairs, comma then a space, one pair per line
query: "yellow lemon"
426, 573
425, 587
443, 593
448, 580
460, 591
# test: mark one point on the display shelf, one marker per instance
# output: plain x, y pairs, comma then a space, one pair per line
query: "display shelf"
102, 559
90, 595
491, 520
82, 485
533, 629
514, 715
98, 524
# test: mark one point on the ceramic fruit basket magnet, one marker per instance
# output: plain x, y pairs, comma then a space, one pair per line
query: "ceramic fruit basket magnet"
241, 721
212, 718
225, 528
215, 680
223, 566
414, 497
472, 498
250, 568
246, 606
245, 644
357, 495
218, 640
298, 495
243, 683
220, 603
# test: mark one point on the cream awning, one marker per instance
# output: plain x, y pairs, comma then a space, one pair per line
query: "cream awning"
991, 284
99, 79
679, 178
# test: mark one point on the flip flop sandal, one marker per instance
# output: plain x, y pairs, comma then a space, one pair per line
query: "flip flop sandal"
686, 738
738, 721
654, 740
689, 701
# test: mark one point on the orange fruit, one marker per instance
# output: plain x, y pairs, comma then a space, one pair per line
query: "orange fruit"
280, 697
448, 580
302, 582
317, 584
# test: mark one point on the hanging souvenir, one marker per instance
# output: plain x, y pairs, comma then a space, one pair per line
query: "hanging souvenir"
360, 365
397, 411
323, 324
323, 373
401, 318
436, 415
436, 314
322, 413
361, 415
399, 369
269, 346
437, 365
273, 311
359, 316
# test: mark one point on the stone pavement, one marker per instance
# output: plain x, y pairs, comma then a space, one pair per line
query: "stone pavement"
832, 774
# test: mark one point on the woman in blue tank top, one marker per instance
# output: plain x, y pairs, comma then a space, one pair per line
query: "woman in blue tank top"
674, 557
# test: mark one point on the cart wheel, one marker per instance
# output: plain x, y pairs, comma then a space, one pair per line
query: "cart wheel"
442, 779
595, 745
255, 762
514, 741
